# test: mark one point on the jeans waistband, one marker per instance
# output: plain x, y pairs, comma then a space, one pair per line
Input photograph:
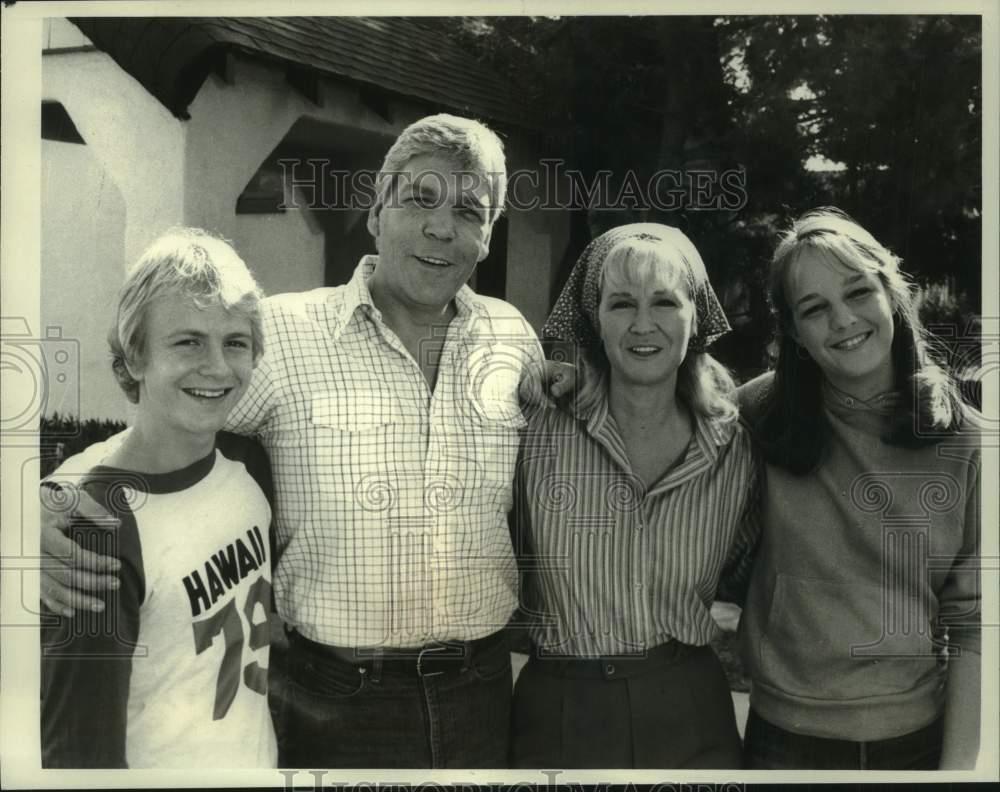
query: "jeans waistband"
428, 660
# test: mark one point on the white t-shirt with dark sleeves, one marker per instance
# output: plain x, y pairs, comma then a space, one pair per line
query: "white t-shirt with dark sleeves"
174, 672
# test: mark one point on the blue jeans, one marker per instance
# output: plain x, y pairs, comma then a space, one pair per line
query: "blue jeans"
334, 713
769, 747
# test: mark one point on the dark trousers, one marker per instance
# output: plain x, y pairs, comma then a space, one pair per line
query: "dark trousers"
670, 710
330, 712
769, 747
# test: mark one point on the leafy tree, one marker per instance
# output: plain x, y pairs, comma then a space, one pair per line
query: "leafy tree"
879, 115
895, 101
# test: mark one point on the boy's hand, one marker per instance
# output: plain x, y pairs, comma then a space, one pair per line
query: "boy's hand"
68, 570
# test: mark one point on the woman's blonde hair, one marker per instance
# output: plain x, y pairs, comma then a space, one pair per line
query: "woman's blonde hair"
703, 384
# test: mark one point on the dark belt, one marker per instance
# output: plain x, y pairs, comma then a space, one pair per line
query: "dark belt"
447, 657
617, 667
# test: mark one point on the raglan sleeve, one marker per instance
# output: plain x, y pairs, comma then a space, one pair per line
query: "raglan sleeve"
86, 661
73, 469
254, 458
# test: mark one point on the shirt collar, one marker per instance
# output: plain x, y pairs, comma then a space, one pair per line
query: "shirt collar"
884, 403
710, 434
872, 416
356, 296
713, 432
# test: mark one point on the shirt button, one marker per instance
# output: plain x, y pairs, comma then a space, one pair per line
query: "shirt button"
609, 669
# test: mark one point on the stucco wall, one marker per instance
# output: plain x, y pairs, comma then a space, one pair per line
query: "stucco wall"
101, 204
235, 125
137, 141
82, 245
233, 128
143, 170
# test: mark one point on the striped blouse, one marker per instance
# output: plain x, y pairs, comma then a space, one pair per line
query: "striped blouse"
611, 569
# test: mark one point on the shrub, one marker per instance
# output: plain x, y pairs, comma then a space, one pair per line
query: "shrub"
956, 334
62, 436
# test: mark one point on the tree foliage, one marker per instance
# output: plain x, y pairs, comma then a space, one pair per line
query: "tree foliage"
894, 101
878, 115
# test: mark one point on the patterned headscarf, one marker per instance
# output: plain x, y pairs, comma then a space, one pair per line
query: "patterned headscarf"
574, 316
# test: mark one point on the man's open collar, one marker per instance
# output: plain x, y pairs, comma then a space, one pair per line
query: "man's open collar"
357, 296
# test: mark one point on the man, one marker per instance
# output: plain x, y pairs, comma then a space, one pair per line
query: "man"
389, 408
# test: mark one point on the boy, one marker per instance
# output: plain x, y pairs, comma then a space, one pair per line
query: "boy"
173, 672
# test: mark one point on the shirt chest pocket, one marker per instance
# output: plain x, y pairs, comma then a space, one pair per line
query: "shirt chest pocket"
360, 410
359, 445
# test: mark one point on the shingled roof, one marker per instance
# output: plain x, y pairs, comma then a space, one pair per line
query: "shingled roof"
171, 56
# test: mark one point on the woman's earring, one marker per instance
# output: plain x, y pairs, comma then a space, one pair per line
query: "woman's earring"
801, 353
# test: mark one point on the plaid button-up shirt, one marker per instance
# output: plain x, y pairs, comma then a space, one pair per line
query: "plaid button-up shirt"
391, 499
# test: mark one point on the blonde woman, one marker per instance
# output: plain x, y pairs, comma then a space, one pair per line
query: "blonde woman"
628, 504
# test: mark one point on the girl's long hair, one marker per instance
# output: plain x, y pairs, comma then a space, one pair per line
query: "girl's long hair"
793, 430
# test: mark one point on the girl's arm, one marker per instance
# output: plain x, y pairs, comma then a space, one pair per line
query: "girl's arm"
960, 601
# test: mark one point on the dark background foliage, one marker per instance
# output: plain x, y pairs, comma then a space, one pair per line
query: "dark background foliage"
879, 115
